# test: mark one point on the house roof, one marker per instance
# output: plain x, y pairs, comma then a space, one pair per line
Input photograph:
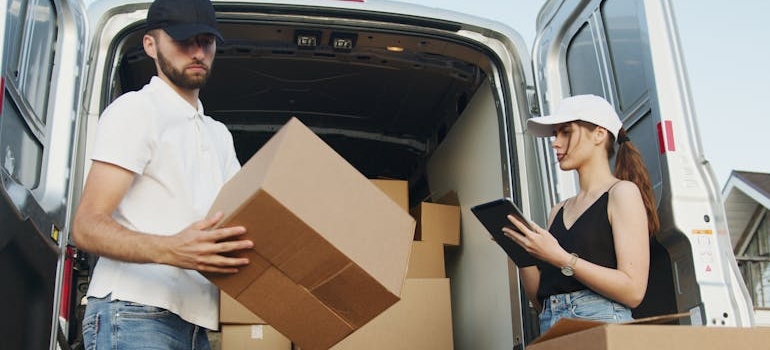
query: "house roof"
745, 195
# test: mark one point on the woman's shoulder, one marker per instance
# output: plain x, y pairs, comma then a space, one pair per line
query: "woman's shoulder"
624, 190
623, 186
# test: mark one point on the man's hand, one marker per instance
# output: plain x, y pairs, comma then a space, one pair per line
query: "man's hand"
199, 247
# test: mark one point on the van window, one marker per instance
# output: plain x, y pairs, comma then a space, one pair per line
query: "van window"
29, 52
583, 64
624, 42
603, 62
37, 62
13, 28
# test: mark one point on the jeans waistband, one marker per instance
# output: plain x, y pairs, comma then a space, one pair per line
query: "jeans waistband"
565, 298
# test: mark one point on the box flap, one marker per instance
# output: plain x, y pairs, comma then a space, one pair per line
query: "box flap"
566, 326
660, 319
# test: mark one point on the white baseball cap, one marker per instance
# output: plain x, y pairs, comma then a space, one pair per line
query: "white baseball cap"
590, 108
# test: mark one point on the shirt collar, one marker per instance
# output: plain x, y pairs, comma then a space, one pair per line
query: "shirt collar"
178, 101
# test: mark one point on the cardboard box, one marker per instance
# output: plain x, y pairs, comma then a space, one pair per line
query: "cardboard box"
397, 190
330, 249
253, 337
426, 260
585, 335
421, 320
232, 312
437, 223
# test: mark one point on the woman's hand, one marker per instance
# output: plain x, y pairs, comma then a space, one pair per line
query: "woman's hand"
538, 242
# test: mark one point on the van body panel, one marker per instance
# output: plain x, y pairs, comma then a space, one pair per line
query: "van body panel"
628, 52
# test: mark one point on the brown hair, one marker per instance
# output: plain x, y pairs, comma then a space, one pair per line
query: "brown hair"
630, 166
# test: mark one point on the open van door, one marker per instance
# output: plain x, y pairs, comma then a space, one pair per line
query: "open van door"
628, 52
40, 69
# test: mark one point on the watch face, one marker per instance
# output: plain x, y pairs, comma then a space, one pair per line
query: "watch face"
567, 271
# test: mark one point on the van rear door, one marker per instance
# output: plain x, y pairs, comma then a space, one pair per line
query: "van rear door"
627, 51
41, 64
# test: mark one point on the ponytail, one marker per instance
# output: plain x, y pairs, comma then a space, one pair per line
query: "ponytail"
629, 166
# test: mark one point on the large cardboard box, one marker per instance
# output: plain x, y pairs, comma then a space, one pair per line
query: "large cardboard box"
253, 337
397, 190
437, 223
421, 320
330, 249
591, 335
426, 260
232, 312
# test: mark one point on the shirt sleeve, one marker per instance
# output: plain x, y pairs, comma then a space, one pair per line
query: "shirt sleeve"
124, 135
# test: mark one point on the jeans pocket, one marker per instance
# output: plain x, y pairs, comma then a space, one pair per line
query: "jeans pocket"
622, 313
139, 326
135, 310
593, 307
90, 331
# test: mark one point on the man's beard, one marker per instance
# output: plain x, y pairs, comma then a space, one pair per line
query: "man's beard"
179, 78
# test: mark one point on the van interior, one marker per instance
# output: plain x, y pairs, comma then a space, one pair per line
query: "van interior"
383, 100
402, 101
394, 102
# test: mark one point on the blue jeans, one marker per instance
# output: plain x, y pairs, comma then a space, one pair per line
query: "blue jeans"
583, 304
122, 325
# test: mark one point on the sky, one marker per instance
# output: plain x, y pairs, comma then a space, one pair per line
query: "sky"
726, 56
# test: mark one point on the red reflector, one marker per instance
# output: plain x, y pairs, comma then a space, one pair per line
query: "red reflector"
666, 137
66, 291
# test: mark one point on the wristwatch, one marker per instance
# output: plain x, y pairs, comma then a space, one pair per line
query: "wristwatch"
569, 270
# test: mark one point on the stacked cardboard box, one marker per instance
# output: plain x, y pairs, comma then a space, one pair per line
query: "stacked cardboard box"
253, 337
437, 222
242, 329
330, 249
422, 319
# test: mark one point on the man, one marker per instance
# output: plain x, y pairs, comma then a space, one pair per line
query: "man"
158, 164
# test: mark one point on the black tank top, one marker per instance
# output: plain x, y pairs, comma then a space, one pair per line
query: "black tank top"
590, 237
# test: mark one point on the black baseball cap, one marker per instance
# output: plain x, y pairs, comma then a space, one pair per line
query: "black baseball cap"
183, 19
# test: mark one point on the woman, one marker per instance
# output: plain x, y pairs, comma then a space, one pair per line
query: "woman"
594, 258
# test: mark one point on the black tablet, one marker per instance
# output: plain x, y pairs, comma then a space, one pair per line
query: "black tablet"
494, 216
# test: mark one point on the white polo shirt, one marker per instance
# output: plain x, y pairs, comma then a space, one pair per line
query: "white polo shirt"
181, 158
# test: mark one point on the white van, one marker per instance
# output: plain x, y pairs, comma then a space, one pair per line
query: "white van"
401, 91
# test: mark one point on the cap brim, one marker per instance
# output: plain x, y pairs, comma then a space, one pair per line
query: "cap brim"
182, 32
543, 126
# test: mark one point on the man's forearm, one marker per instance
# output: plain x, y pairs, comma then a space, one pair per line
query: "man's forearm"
101, 235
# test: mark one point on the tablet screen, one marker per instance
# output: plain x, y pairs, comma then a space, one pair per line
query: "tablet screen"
494, 216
